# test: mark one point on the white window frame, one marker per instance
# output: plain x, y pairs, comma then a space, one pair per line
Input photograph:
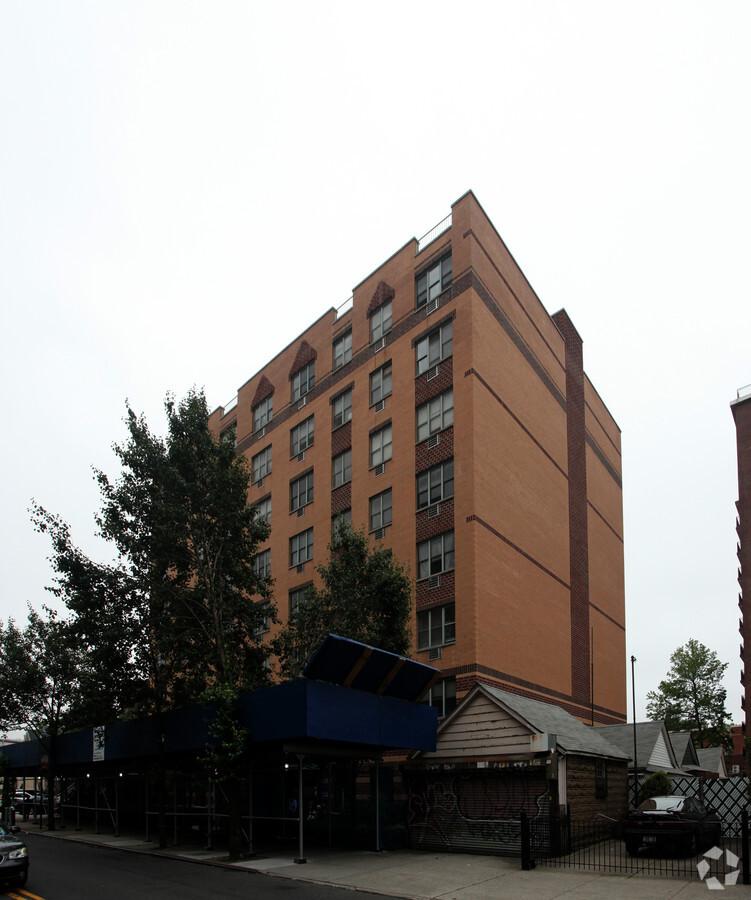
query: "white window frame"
262, 563
341, 409
433, 281
381, 446
435, 415
301, 548
301, 491
261, 464
434, 347
304, 380
343, 350
381, 509
341, 468
381, 383
435, 555
437, 622
436, 486
442, 695
381, 321
263, 413
301, 436
264, 509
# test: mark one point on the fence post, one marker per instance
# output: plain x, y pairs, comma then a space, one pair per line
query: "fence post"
744, 842
527, 861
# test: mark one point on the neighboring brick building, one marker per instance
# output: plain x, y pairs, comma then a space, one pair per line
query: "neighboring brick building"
741, 409
447, 413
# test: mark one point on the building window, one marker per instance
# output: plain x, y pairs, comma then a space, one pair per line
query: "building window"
264, 625
343, 350
601, 779
380, 510
436, 627
435, 484
435, 555
296, 597
301, 436
443, 696
229, 435
380, 446
261, 464
301, 548
380, 322
435, 415
262, 413
262, 564
380, 384
304, 380
434, 347
341, 409
264, 509
342, 518
301, 491
341, 468
433, 281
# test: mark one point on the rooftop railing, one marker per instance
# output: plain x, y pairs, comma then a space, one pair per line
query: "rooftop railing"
345, 307
434, 232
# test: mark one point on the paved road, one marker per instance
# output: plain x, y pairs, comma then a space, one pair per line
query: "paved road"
64, 870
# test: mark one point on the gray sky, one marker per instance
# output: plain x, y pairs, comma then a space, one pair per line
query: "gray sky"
184, 186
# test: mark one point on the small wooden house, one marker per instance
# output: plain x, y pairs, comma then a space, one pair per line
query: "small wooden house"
498, 755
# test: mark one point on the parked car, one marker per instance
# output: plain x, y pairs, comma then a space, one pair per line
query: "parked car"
14, 857
672, 824
28, 802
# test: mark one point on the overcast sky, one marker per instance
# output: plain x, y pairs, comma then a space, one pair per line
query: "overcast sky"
184, 186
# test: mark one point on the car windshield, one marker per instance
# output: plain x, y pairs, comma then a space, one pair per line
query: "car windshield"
664, 804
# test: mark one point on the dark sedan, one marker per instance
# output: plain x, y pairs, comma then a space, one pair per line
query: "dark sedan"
671, 825
14, 857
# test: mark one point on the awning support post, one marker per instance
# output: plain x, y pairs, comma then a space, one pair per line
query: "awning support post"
301, 817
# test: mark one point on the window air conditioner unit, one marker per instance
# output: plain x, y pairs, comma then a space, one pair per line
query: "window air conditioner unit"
434, 510
379, 470
434, 440
432, 373
380, 406
434, 581
435, 653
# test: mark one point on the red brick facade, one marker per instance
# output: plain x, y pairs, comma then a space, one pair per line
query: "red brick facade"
536, 576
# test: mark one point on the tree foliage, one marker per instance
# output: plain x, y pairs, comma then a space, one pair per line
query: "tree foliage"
176, 612
658, 784
365, 595
41, 678
692, 698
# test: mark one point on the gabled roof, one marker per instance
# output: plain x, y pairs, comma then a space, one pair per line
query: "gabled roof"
654, 752
531, 717
683, 746
712, 759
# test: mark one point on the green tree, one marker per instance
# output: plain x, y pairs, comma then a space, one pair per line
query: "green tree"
178, 610
692, 698
365, 595
41, 679
658, 784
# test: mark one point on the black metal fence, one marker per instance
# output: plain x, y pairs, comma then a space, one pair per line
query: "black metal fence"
598, 845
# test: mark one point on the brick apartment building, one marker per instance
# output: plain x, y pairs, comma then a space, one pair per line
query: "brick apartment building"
448, 414
741, 409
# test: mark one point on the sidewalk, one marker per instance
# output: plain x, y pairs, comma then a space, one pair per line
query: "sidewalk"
424, 875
